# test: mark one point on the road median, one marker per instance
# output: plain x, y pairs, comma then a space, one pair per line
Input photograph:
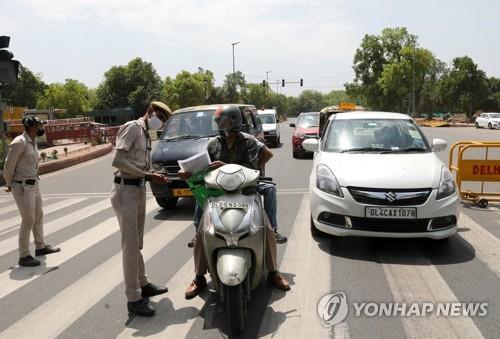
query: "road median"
71, 160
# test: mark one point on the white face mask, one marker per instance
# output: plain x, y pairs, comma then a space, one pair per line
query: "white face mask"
154, 122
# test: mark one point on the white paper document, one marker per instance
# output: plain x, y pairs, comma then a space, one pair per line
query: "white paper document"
195, 163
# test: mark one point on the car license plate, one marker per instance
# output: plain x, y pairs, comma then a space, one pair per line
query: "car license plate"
182, 192
391, 212
226, 204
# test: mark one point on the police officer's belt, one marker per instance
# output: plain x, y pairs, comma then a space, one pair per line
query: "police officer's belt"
132, 182
27, 182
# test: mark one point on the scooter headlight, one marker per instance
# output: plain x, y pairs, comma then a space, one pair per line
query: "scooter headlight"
230, 182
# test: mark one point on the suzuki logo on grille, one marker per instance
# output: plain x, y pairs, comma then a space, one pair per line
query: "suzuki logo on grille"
391, 196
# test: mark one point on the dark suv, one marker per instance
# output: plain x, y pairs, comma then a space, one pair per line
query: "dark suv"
185, 134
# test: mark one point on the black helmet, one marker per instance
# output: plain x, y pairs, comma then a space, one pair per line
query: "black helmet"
31, 120
230, 113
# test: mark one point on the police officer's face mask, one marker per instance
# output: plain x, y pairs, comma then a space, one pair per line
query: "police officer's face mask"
154, 122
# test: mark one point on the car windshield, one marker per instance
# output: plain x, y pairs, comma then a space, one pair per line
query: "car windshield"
375, 135
191, 125
495, 116
267, 118
308, 120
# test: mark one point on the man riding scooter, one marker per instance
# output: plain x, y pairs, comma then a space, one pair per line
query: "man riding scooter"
235, 147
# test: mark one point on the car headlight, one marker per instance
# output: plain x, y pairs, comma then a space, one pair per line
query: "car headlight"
298, 134
446, 185
326, 181
157, 166
271, 132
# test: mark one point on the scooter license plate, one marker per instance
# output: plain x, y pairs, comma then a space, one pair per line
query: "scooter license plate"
227, 204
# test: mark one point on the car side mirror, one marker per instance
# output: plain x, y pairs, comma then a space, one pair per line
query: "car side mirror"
439, 145
292, 125
311, 145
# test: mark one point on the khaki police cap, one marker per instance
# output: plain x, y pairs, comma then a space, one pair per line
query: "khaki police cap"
164, 108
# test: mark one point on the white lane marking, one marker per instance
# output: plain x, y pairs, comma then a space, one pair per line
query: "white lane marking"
16, 278
308, 266
179, 319
13, 207
420, 282
52, 317
16, 221
11, 243
486, 245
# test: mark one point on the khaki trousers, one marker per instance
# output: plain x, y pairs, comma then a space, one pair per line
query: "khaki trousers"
129, 203
29, 202
200, 260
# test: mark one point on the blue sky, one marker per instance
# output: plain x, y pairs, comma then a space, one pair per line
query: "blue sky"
310, 39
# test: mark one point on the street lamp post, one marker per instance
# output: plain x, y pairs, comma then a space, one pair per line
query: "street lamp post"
234, 71
267, 81
234, 44
413, 82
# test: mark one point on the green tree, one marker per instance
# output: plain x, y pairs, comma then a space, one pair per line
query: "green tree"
234, 88
133, 85
465, 87
492, 103
188, 89
73, 96
26, 91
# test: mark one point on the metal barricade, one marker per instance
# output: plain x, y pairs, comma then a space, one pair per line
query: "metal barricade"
476, 165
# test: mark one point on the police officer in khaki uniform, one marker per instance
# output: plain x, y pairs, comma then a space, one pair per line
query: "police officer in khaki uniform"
128, 197
21, 177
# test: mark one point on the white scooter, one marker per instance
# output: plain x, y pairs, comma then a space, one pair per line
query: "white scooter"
234, 238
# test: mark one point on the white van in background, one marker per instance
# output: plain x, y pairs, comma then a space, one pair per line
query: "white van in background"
270, 125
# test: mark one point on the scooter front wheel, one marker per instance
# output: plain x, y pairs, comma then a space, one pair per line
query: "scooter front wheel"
236, 307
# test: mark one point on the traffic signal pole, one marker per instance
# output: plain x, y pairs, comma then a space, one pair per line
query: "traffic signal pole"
2, 131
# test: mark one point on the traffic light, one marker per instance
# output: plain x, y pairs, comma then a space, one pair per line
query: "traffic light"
9, 68
301, 82
282, 82
264, 83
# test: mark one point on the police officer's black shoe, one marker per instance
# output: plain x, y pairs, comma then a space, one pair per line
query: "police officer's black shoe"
141, 307
47, 250
150, 290
29, 261
191, 243
280, 239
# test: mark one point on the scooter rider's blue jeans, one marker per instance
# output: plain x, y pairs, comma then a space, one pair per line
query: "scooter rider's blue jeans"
268, 190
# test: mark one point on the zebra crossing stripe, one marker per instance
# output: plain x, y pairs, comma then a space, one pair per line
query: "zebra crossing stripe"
67, 220
419, 281
300, 303
486, 245
70, 249
15, 221
180, 317
52, 317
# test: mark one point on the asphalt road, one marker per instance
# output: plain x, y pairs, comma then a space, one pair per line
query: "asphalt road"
79, 292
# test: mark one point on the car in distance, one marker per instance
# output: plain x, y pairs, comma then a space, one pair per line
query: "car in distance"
306, 127
488, 120
271, 126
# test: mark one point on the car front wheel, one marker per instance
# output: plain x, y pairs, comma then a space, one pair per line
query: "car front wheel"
490, 126
167, 203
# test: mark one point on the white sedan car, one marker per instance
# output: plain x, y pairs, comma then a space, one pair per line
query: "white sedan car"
488, 120
375, 174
